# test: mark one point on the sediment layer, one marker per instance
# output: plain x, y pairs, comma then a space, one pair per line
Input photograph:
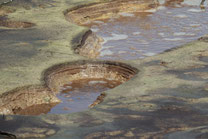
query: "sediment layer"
88, 13
56, 77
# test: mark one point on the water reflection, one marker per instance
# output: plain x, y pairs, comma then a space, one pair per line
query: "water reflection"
76, 96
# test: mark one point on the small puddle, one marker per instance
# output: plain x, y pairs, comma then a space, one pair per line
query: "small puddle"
80, 94
139, 35
76, 96
79, 85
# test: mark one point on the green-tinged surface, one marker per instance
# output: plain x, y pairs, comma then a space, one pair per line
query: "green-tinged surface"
26, 53
168, 98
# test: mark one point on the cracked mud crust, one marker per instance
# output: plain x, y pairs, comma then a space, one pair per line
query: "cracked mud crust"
167, 99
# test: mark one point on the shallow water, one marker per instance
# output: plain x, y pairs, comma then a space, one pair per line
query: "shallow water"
78, 95
75, 96
139, 35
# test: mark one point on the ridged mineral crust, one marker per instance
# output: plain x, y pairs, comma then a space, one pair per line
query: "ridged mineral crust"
55, 78
87, 70
22, 98
106, 10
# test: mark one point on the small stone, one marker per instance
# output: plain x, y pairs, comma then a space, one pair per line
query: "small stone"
129, 134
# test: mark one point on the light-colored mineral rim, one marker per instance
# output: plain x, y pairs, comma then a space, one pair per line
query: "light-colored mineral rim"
57, 76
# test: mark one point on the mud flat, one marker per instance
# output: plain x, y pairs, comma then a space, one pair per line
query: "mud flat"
166, 99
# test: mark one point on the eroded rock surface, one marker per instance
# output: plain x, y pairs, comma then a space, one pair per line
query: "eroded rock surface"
167, 99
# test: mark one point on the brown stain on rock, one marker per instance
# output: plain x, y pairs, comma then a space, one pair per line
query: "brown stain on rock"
16, 24
62, 74
15, 101
87, 13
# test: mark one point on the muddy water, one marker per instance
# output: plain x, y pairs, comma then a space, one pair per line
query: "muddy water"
78, 95
138, 35
75, 96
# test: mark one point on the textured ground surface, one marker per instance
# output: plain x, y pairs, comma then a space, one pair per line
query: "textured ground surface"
166, 99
